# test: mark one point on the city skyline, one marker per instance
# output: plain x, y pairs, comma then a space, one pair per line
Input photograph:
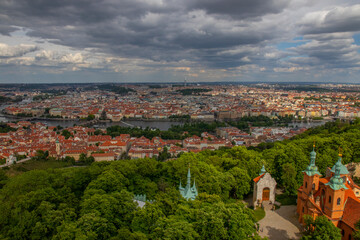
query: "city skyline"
162, 41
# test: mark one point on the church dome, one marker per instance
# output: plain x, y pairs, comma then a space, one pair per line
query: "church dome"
340, 166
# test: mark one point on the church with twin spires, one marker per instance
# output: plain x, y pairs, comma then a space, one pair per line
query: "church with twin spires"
335, 196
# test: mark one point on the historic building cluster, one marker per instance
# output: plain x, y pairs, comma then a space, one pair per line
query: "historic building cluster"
213, 102
31, 137
335, 196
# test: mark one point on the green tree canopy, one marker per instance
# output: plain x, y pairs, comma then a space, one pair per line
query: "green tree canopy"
320, 228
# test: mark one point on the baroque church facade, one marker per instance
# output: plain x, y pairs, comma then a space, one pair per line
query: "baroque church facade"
335, 196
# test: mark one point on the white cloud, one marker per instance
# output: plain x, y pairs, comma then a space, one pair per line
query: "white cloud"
7, 51
289, 70
72, 58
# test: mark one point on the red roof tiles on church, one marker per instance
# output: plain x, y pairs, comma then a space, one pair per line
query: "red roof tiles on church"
258, 178
351, 212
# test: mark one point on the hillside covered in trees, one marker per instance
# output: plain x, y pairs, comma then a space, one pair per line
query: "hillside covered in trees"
96, 202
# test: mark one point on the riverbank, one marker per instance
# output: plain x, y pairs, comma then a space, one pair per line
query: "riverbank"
65, 123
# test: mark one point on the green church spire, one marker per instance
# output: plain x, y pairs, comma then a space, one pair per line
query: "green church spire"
312, 169
343, 170
336, 182
188, 192
262, 171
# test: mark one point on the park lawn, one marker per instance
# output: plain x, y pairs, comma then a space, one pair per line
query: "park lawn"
19, 168
259, 214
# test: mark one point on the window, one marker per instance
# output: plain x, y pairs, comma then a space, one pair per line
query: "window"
303, 210
338, 201
350, 236
329, 199
342, 232
305, 184
313, 186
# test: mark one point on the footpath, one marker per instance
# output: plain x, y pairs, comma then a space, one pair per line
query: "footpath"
281, 224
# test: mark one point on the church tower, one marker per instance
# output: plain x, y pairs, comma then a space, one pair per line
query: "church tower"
188, 192
57, 147
311, 175
343, 170
335, 193
310, 185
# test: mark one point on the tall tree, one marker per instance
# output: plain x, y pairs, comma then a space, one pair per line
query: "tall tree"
320, 228
289, 179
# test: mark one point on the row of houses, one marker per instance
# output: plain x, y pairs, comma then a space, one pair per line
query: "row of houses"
29, 138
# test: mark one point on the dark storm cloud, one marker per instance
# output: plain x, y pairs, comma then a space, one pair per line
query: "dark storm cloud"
203, 33
6, 30
240, 9
337, 20
157, 30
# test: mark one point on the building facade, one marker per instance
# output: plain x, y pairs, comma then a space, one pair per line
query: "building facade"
264, 188
335, 196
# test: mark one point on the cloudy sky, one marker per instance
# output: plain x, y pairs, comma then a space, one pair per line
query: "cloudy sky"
170, 40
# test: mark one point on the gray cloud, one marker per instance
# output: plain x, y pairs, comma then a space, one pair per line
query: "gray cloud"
148, 29
240, 9
339, 19
212, 34
337, 53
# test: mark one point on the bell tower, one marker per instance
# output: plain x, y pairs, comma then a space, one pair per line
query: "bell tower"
335, 194
57, 147
310, 185
311, 175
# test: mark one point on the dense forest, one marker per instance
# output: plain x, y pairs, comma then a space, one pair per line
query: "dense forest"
96, 202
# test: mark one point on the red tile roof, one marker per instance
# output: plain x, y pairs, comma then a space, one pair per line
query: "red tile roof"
324, 180
258, 178
351, 212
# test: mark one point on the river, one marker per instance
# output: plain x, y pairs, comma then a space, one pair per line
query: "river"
308, 124
162, 125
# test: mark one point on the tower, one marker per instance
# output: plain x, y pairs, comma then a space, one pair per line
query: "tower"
335, 193
188, 192
311, 175
310, 185
57, 147
343, 170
